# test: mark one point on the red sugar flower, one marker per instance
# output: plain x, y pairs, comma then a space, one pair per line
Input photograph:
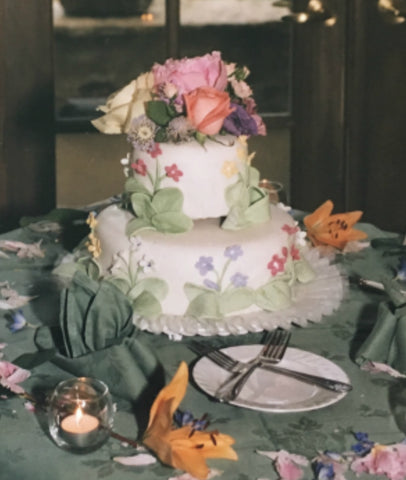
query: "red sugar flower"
277, 264
140, 167
289, 229
173, 172
155, 150
295, 253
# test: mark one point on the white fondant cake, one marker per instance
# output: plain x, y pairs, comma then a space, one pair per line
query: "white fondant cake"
195, 244
207, 272
201, 173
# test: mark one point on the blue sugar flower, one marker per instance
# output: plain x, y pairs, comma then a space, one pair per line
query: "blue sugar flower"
239, 280
364, 445
401, 272
324, 471
210, 284
204, 265
233, 252
19, 321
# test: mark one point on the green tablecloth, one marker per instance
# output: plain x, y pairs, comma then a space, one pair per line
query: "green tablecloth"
374, 406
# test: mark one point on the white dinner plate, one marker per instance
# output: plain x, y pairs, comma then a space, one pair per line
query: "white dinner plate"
270, 392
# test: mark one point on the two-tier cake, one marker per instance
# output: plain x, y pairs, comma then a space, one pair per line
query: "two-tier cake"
195, 243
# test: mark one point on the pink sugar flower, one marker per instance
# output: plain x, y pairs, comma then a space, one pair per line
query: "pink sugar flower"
277, 264
11, 375
155, 151
289, 229
173, 172
294, 252
188, 74
140, 167
389, 460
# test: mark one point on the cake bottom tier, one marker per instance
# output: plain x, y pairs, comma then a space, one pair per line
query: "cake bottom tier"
212, 281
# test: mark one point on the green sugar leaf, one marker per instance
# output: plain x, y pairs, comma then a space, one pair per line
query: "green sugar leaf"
236, 299
273, 296
205, 305
137, 224
168, 200
146, 304
156, 286
172, 222
142, 205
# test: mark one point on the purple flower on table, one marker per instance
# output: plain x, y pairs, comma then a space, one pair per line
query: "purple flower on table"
240, 122
233, 252
401, 271
239, 280
364, 445
19, 321
210, 284
204, 265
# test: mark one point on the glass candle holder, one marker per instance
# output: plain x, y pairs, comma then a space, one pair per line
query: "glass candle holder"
80, 414
275, 190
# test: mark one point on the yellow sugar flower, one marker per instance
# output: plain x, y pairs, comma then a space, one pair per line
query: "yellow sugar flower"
93, 245
243, 140
184, 448
229, 168
91, 220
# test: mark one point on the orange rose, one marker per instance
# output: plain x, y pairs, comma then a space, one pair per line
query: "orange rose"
207, 108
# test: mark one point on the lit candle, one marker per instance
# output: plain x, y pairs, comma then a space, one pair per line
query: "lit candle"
79, 428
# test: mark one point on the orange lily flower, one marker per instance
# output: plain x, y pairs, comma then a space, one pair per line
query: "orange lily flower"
335, 230
184, 447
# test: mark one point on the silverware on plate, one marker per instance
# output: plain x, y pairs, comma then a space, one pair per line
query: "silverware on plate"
273, 350
231, 365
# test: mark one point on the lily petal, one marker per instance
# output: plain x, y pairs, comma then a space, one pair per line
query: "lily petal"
335, 230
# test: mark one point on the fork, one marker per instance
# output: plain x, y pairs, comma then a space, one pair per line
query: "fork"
234, 366
273, 350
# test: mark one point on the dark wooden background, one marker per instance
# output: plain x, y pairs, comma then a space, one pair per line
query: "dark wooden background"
27, 158
349, 112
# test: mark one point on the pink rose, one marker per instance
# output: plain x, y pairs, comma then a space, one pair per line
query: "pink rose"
188, 74
207, 108
241, 88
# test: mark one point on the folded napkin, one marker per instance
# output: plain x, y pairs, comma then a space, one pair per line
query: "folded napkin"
387, 341
95, 338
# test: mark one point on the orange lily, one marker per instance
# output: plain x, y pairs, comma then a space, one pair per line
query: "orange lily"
335, 230
184, 447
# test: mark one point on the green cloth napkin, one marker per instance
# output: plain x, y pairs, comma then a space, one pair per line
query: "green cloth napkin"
387, 341
95, 338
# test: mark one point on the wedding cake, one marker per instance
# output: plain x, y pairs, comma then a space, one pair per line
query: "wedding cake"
195, 243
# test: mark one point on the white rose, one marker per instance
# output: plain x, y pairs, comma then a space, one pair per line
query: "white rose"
128, 103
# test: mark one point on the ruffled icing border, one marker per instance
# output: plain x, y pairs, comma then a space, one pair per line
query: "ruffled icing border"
310, 302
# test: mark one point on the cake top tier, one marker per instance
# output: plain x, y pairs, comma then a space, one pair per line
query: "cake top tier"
181, 100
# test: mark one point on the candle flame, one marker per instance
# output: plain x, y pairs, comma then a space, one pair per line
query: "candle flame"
78, 415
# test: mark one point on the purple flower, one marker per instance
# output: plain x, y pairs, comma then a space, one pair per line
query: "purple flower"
401, 272
240, 122
233, 252
324, 471
364, 445
239, 280
19, 321
210, 284
204, 265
